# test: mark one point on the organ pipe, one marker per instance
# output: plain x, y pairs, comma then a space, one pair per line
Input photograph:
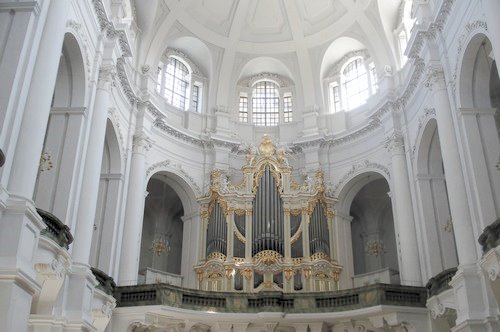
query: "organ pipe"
267, 221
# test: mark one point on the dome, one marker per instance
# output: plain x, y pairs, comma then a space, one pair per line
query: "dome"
231, 42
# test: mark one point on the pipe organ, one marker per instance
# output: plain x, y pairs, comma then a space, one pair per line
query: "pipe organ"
268, 233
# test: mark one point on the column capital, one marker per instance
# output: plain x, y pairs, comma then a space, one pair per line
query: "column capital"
141, 142
395, 143
107, 75
434, 78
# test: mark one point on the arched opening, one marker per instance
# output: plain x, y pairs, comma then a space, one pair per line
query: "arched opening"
162, 249
365, 231
61, 153
479, 95
106, 222
373, 237
437, 226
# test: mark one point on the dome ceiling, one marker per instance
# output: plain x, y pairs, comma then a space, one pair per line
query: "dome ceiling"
266, 26
298, 39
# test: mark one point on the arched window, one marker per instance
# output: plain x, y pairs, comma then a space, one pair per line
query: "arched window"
266, 104
265, 100
175, 83
355, 83
351, 81
179, 81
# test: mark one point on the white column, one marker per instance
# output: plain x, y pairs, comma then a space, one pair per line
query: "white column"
36, 112
491, 9
92, 168
410, 272
19, 223
21, 32
190, 250
343, 245
134, 212
467, 247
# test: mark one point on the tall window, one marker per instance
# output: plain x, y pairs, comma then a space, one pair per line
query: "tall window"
355, 83
176, 83
351, 81
243, 109
265, 102
335, 98
287, 108
179, 82
195, 98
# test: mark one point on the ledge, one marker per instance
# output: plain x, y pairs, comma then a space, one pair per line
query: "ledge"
439, 283
55, 230
235, 302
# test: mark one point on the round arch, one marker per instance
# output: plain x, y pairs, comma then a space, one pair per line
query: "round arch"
474, 71
181, 185
70, 89
435, 224
359, 176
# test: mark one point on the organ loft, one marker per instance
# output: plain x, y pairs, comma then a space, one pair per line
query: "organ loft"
269, 232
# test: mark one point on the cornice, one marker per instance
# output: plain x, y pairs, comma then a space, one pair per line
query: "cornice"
431, 31
108, 27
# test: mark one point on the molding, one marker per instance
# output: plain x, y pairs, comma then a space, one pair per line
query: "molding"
177, 169
109, 29
395, 143
115, 121
335, 69
280, 80
21, 6
161, 124
429, 113
471, 29
176, 53
357, 168
75, 28
432, 30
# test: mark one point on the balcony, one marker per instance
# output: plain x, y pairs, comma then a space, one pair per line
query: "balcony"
232, 302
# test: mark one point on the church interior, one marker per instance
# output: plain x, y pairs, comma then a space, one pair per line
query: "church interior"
249, 165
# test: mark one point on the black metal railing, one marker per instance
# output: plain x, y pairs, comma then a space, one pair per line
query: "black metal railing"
106, 283
56, 230
490, 238
440, 282
356, 298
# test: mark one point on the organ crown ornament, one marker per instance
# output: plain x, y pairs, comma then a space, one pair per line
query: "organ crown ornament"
271, 231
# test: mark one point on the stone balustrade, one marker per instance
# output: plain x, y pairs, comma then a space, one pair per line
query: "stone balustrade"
490, 238
106, 283
56, 230
440, 282
356, 298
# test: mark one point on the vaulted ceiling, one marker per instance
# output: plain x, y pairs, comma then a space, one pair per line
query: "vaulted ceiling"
224, 36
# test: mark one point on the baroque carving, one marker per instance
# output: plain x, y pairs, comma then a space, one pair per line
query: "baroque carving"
46, 163
176, 53
337, 65
366, 164
177, 169
395, 142
113, 117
